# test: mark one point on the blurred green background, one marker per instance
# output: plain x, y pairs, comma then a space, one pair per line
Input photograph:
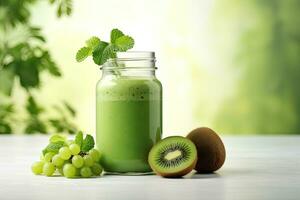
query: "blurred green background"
232, 65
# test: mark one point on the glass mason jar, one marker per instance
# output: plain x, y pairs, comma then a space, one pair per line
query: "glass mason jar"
129, 112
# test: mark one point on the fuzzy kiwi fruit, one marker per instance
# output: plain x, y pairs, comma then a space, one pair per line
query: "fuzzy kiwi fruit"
210, 149
173, 156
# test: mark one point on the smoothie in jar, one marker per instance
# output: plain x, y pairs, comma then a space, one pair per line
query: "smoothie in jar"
129, 118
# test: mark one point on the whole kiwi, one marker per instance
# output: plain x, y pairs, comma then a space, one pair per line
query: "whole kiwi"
210, 149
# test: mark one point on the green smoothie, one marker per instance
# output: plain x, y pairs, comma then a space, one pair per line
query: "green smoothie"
129, 121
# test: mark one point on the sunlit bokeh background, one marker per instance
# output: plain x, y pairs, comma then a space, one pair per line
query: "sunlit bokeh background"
232, 65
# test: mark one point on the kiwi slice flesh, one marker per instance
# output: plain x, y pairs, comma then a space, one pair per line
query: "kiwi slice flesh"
173, 156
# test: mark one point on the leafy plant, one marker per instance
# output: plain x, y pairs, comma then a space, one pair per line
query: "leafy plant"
6, 112
24, 57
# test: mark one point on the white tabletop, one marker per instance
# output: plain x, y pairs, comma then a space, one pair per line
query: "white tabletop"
257, 167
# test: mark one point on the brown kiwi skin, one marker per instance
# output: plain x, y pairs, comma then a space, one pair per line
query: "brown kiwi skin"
177, 174
210, 149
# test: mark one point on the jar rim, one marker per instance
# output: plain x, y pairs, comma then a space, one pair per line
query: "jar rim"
130, 57
135, 55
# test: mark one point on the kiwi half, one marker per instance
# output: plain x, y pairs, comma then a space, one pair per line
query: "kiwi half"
174, 156
210, 149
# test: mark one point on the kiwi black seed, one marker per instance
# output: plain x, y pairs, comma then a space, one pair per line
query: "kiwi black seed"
210, 149
174, 156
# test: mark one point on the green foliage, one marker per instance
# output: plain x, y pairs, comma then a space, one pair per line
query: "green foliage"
82, 54
15, 11
267, 99
7, 77
6, 113
62, 123
98, 53
79, 138
115, 34
93, 42
63, 8
34, 123
88, 143
102, 51
124, 43
23, 60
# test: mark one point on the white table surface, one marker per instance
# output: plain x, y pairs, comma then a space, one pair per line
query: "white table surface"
257, 167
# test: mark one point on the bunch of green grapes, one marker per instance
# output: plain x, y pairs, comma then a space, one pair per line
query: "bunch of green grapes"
72, 158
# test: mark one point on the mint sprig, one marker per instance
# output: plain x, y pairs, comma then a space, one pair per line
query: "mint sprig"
79, 138
102, 51
85, 144
88, 143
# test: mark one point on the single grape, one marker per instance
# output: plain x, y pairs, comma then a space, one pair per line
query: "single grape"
48, 169
37, 167
95, 154
77, 161
75, 149
57, 160
69, 171
97, 169
48, 156
65, 153
88, 160
86, 172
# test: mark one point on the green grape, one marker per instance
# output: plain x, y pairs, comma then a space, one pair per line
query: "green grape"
88, 160
48, 156
37, 167
69, 170
95, 154
57, 160
48, 169
86, 172
77, 161
97, 169
65, 153
75, 149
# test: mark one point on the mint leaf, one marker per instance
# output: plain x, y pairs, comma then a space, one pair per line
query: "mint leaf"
57, 138
53, 147
109, 52
82, 54
124, 43
93, 42
79, 138
97, 53
115, 34
88, 143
